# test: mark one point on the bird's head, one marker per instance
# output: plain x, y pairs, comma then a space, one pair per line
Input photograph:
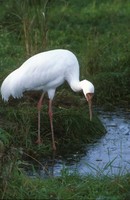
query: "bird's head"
88, 90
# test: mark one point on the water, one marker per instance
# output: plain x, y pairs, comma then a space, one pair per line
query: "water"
110, 155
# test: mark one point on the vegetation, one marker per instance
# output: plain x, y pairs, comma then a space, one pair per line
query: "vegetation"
97, 31
16, 185
70, 128
67, 187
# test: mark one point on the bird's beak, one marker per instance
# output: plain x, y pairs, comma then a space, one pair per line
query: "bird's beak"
89, 97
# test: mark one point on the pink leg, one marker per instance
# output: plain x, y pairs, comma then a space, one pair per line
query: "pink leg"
51, 123
39, 106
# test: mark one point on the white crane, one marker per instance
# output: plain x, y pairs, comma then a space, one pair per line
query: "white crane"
46, 71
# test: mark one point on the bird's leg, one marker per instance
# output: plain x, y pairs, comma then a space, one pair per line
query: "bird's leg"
51, 123
39, 106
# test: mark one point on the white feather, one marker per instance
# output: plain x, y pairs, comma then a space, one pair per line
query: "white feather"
44, 71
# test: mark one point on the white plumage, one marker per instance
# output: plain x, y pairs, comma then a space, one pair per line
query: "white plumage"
46, 71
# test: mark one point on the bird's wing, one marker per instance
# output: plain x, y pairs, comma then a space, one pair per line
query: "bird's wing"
41, 71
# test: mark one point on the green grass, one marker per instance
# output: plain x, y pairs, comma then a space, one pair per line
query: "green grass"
72, 129
18, 186
97, 31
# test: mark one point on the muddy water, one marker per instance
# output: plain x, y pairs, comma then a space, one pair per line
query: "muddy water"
110, 155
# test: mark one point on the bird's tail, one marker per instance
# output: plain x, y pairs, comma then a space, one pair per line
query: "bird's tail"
5, 90
10, 87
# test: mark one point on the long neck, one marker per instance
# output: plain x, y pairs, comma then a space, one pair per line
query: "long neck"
75, 85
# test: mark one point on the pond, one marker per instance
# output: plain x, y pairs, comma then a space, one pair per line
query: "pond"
109, 155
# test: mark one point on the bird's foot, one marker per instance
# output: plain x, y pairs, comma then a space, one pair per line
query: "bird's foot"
38, 141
